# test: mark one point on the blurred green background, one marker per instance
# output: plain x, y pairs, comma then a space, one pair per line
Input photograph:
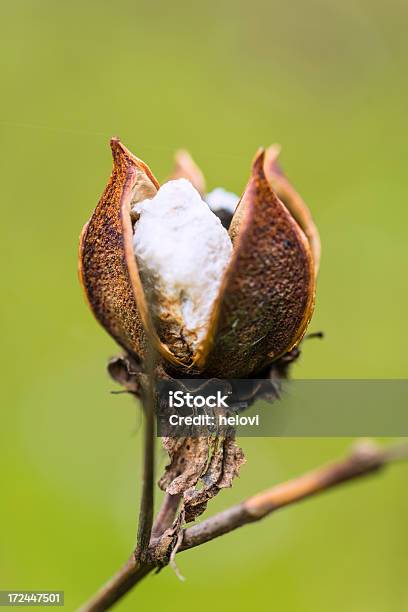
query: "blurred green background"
326, 79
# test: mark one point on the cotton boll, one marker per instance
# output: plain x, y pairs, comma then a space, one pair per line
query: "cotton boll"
182, 251
220, 199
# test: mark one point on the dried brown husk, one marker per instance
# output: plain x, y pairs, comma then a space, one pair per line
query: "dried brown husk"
107, 265
185, 167
266, 297
292, 200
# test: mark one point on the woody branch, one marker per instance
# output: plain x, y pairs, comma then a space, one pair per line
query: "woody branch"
365, 459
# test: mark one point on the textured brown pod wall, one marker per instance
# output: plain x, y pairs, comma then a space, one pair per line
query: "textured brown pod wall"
266, 297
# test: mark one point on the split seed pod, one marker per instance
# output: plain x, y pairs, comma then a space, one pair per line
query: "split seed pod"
265, 298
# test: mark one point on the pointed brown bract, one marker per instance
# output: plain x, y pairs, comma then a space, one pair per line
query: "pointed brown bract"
102, 267
267, 295
185, 167
292, 200
107, 265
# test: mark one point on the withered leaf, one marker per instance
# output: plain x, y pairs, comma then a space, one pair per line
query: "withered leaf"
199, 468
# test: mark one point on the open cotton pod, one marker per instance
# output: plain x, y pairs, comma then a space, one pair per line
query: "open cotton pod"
157, 264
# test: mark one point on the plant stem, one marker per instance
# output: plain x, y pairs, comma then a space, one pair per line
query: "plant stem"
366, 459
166, 515
129, 575
147, 502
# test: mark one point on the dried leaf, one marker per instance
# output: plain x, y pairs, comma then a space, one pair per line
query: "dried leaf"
224, 466
188, 461
199, 468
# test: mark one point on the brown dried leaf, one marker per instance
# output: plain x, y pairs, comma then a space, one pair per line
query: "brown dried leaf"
224, 466
199, 468
126, 372
188, 461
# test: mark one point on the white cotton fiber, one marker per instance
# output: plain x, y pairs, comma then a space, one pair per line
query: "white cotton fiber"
219, 199
182, 251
